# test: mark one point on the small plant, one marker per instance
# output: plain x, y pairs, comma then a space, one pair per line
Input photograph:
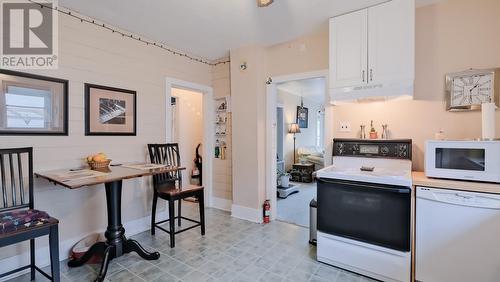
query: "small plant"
280, 173
283, 178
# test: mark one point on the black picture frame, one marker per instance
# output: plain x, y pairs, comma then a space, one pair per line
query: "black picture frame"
302, 117
65, 112
88, 130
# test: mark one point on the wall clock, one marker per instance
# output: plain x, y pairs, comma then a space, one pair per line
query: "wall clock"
469, 89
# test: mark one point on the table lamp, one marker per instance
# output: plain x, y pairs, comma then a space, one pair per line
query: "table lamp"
294, 128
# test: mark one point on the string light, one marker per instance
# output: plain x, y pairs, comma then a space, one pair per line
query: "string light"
131, 36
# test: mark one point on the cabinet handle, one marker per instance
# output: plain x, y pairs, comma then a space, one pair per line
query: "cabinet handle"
371, 74
363, 75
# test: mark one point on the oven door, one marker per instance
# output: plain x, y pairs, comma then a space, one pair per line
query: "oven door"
372, 213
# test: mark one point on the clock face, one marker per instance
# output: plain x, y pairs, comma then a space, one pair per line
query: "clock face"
474, 89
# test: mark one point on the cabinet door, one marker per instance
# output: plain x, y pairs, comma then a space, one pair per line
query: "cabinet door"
348, 49
391, 41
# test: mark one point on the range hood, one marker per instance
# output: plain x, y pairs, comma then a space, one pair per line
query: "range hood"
372, 92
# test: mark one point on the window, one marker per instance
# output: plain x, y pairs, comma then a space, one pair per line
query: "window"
32, 104
27, 107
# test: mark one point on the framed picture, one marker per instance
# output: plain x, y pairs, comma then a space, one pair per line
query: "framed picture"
32, 104
109, 111
302, 116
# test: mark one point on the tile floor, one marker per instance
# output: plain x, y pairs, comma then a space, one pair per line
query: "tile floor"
231, 250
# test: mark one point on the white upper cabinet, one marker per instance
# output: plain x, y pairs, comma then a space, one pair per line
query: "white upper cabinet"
391, 40
348, 45
372, 52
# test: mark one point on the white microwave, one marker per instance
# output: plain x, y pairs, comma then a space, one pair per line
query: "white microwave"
475, 160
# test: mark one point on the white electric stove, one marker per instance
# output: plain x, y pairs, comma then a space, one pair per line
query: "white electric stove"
364, 208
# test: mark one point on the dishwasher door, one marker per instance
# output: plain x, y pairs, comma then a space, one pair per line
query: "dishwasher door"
457, 236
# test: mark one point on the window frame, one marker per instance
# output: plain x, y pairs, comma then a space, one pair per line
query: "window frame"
63, 108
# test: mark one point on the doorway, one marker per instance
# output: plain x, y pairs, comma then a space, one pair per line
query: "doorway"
187, 131
188, 105
287, 98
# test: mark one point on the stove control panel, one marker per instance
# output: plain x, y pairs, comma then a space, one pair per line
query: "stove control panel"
393, 148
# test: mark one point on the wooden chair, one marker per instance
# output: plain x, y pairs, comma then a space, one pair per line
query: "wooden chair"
16, 166
165, 188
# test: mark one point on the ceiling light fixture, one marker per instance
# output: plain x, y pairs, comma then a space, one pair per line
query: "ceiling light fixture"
264, 3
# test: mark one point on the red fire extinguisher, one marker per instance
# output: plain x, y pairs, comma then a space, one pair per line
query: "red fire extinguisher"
267, 211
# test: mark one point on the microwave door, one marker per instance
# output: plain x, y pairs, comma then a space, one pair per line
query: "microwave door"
460, 159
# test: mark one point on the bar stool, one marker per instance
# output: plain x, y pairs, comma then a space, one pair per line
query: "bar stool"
165, 188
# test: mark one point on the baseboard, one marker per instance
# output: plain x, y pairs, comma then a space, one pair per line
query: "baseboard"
221, 203
246, 213
42, 254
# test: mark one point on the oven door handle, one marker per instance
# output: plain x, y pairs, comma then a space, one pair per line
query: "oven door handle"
364, 185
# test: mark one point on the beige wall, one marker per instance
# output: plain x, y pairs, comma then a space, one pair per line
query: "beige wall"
90, 54
248, 93
307, 136
304, 54
248, 106
450, 36
189, 127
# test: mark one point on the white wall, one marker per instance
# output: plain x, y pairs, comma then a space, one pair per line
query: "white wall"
89, 54
307, 136
189, 128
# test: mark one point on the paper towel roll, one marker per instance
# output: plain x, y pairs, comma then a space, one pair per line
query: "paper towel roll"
488, 120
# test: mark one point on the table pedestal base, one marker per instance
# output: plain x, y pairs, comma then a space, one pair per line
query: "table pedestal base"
116, 244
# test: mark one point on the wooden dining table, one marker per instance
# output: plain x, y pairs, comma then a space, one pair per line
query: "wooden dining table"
116, 243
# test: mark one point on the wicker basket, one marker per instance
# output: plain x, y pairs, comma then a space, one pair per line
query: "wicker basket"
98, 165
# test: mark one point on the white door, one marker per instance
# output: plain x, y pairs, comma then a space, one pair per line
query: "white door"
391, 41
348, 49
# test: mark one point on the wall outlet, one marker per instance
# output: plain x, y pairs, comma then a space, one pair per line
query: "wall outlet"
344, 126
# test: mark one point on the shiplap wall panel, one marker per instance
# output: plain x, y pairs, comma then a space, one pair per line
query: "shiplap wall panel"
222, 175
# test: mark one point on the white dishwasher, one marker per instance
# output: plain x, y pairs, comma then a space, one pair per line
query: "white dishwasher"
457, 236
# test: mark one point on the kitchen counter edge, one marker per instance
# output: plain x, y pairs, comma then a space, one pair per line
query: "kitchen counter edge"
419, 179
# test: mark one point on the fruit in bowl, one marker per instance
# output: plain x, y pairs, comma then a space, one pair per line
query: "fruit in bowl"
99, 160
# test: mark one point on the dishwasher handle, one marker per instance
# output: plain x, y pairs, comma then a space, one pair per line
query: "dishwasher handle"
460, 198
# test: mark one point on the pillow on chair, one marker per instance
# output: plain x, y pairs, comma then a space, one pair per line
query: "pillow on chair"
14, 219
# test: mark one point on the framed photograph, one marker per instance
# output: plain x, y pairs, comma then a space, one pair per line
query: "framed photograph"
32, 104
109, 111
302, 116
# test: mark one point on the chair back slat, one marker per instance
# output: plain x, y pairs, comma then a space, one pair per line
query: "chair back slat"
12, 180
167, 154
2, 174
13, 164
20, 172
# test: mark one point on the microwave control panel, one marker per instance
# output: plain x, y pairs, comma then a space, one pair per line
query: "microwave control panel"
393, 148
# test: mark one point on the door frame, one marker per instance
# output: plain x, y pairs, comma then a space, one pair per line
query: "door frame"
271, 104
208, 128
